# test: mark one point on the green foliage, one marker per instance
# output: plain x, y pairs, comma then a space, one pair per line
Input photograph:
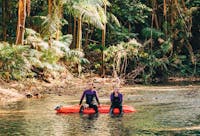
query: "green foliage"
17, 61
74, 59
113, 19
47, 59
98, 48
53, 21
193, 3
32, 33
182, 66
36, 22
125, 20
66, 39
156, 67
50, 25
156, 61
132, 16
116, 56
49, 56
196, 69
133, 11
1, 32
75, 56
39, 8
14, 64
151, 32
166, 47
91, 11
140, 12
118, 34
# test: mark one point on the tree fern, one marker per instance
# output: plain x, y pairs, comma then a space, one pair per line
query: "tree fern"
13, 60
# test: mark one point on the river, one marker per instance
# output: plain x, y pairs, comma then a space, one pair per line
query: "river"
166, 111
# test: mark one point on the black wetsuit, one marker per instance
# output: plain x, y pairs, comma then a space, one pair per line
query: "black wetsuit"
116, 102
90, 94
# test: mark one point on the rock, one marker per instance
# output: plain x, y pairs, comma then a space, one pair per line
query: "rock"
29, 95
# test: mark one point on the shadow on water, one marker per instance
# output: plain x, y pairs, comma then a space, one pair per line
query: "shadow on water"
174, 112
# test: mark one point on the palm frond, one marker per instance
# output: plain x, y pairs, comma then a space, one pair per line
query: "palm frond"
113, 18
91, 11
74, 56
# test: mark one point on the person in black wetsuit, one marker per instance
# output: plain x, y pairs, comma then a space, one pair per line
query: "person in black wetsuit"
89, 94
116, 99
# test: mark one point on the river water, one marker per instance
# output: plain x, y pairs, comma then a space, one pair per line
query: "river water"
166, 111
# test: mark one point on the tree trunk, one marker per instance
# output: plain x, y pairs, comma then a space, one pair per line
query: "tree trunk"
102, 52
74, 35
60, 14
164, 8
70, 24
50, 5
91, 32
129, 27
103, 45
79, 39
79, 33
190, 50
50, 8
28, 7
87, 36
165, 16
174, 4
58, 33
156, 21
184, 7
155, 18
4, 18
21, 22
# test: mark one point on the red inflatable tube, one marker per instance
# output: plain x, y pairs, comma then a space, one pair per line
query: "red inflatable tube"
101, 109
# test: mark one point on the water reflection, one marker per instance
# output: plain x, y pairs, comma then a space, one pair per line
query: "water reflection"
117, 127
88, 123
159, 113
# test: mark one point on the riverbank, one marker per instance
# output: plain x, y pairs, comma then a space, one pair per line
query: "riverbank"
30, 88
71, 86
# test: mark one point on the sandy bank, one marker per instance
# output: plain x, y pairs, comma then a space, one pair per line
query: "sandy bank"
9, 95
15, 90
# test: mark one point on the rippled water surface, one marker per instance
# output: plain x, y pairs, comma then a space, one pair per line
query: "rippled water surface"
168, 112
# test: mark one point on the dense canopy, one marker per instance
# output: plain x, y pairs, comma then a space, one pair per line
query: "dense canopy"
139, 40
